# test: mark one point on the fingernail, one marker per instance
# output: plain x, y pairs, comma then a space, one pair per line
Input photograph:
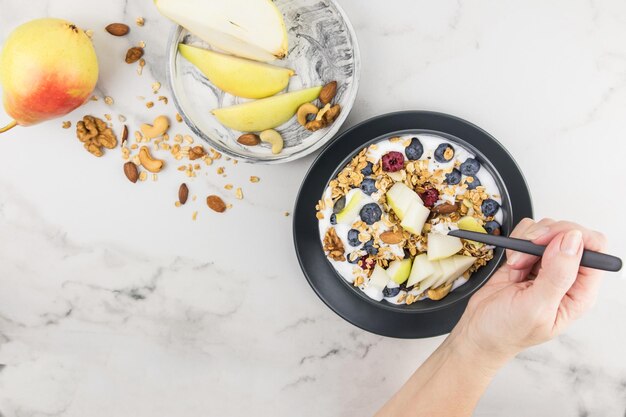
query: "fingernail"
537, 233
571, 242
511, 260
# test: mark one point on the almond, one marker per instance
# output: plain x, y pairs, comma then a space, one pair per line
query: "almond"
328, 92
133, 54
249, 139
124, 134
117, 29
445, 208
391, 238
183, 193
130, 169
196, 152
215, 203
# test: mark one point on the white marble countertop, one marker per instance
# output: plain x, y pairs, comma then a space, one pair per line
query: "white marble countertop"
115, 303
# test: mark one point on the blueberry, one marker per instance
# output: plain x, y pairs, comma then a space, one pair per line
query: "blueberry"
489, 207
368, 186
353, 237
415, 150
339, 204
391, 292
369, 248
470, 167
453, 177
475, 183
333, 219
492, 227
356, 259
370, 213
368, 170
444, 153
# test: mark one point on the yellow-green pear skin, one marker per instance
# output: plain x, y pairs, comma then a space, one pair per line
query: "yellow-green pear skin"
267, 113
238, 76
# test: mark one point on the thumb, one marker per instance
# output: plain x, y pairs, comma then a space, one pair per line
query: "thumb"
559, 267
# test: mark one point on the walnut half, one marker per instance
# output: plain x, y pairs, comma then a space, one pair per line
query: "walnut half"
333, 245
95, 134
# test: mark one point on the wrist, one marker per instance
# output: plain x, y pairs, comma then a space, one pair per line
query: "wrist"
466, 353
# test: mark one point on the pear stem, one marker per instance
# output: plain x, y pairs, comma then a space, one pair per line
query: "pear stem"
9, 126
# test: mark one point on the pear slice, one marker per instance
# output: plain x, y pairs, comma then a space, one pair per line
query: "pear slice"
399, 270
238, 76
352, 208
266, 113
432, 278
453, 267
400, 197
378, 281
415, 218
442, 246
253, 29
422, 269
471, 224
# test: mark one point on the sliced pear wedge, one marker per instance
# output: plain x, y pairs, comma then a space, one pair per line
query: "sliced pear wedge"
238, 76
266, 113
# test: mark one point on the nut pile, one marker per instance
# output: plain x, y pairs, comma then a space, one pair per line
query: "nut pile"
145, 152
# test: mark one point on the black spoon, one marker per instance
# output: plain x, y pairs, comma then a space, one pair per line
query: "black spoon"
591, 259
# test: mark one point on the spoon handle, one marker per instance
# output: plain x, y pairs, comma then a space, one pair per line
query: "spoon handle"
590, 259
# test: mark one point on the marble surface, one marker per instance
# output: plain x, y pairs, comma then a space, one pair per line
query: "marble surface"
114, 302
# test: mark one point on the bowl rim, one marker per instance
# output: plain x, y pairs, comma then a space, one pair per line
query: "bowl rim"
323, 278
172, 53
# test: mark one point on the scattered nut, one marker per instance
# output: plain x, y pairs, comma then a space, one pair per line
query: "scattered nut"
273, 138
67, 124
133, 54
183, 193
322, 112
239, 193
439, 292
108, 100
249, 139
215, 203
124, 134
158, 128
131, 172
117, 29
331, 115
315, 125
148, 162
328, 92
95, 134
140, 21
254, 178
196, 152
445, 208
304, 111
179, 118
391, 238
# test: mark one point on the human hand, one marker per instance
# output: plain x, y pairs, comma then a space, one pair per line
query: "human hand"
530, 300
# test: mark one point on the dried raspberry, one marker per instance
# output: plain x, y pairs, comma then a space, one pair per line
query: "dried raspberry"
430, 197
366, 262
393, 161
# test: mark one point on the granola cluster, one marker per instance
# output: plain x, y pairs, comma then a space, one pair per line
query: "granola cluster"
453, 203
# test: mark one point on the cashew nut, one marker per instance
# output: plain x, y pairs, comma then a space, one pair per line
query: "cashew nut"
439, 292
273, 138
158, 128
322, 111
148, 162
304, 111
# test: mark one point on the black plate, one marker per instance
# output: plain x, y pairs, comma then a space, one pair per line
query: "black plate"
426, 318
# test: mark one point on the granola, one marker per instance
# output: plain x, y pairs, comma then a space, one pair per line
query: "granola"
368, 227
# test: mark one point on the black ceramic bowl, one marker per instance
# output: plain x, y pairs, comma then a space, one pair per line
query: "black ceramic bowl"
427, 317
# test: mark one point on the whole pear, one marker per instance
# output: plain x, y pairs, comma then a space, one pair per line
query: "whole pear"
48, 67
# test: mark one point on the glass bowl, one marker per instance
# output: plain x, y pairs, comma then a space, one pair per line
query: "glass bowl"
322, 48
